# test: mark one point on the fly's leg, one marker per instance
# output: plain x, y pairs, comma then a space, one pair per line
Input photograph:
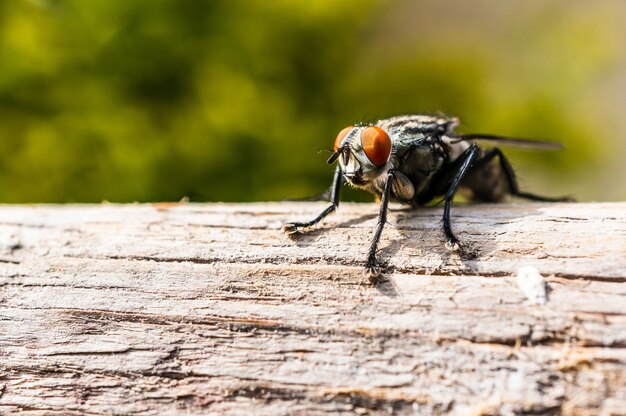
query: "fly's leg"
372, 269
509, 173
294, 227
452, 243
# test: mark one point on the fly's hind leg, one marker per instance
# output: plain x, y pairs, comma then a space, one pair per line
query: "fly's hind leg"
509, 173
294, 227
468, 157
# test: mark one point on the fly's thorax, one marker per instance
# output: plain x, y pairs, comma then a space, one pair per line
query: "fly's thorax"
455, 147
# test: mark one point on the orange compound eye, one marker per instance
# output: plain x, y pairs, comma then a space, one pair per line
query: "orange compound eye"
376, 144
342, 135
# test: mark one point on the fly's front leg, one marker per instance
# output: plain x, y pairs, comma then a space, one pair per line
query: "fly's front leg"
452, 243
372, 269
294, 227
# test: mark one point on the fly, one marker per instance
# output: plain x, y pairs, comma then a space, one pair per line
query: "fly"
413, 159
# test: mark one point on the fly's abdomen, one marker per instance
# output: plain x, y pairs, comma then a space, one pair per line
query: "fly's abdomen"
486, 182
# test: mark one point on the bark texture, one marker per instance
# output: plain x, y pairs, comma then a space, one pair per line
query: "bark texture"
210, 309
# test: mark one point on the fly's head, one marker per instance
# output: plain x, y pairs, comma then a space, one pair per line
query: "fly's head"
362, 153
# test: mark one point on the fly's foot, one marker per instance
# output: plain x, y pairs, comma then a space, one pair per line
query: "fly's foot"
373, 273
453, 245
292, 228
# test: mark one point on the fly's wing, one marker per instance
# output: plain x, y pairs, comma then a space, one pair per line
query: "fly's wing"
509, 141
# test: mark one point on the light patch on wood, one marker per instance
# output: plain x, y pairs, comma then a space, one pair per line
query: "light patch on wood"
533, 285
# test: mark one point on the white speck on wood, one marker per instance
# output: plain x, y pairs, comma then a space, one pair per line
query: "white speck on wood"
533, 285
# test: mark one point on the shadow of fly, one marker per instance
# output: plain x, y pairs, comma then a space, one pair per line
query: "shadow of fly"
414, 159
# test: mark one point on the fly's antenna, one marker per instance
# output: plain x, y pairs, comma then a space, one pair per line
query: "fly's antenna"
335, 156
345, 143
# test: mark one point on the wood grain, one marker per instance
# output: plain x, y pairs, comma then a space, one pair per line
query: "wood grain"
210, 309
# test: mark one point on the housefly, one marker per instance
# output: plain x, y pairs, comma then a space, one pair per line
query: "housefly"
413, 159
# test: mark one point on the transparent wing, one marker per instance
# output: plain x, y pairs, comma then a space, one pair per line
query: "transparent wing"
510, 141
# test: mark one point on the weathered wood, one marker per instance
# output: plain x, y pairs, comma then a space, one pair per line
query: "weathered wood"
210, 309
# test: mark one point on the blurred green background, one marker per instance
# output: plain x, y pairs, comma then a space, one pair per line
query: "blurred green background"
237, 100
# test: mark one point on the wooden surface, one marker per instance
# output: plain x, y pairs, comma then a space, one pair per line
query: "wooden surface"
210, 309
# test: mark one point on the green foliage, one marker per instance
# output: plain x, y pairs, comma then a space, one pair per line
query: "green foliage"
237, 100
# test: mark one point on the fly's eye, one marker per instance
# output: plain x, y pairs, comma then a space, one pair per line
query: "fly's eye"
342, 135
376, 145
